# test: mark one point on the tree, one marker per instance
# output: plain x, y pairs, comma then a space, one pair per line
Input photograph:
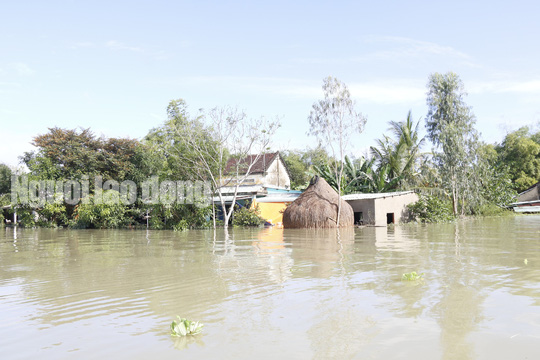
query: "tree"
69, 154
333, 121
304, 164
400, 154
205, 143
450, 127
5, 179
521, 154
298, 169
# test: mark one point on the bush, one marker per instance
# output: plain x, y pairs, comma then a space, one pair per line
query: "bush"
53, 215
178, 217
109, 214
247, 217
26, 216
430, 209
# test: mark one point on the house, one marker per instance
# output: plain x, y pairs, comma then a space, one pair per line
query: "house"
272, 205
531, 194
267, 185
528, 201
381, 209
268, 170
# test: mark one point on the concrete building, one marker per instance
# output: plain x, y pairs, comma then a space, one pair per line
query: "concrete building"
381, 209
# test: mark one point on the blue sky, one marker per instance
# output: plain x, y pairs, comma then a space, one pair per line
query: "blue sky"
113, 66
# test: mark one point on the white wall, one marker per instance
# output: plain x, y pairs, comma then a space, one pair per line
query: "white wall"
277, 175
375, 210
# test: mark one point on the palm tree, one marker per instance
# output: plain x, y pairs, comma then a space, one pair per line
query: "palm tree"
400, 153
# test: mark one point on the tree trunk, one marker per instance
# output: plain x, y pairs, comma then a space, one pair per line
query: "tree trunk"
214, 214
454, 200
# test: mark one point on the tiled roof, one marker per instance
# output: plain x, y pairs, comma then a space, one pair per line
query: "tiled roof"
260, 166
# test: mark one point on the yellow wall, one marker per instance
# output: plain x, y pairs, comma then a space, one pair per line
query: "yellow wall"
271, 212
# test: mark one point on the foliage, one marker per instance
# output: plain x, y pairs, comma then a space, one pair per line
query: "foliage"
359, 176
1, 218
333, 121
108, 214
298, 169
177, 141
303, 165
412, 276
400, 155
26, 216
203, 145
184, 327
520, 152
450, 126
69, 154
497, 186
178, 217
247, 217
431, 209
53, 214
5, 179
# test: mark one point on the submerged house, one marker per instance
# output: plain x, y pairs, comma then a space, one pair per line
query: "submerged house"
380, 209
267, 185
528, 201
317, 207
266, 170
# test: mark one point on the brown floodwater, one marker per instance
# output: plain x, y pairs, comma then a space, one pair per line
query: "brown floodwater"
267, 293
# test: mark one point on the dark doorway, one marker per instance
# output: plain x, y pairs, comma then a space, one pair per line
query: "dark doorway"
359, 218
389, 218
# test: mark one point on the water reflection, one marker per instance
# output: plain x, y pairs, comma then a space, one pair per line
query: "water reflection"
307, 293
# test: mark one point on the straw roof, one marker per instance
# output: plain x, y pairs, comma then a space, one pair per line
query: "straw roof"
317, 208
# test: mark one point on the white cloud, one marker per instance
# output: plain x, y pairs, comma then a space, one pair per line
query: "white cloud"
531, 87
83, 44
416, 48
21, 69
116, 45
9, 87
399, 49
388, 91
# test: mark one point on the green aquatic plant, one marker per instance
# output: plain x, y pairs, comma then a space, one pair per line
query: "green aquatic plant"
185, 327
412, 276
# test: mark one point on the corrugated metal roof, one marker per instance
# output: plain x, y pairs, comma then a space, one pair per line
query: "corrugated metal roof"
350, 197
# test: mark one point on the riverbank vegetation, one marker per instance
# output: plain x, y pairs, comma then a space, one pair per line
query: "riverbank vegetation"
453, 169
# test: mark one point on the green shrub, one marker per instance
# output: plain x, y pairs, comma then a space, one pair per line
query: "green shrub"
179, 217
53, 214
109, 214
247, 217
430, 209
26, 216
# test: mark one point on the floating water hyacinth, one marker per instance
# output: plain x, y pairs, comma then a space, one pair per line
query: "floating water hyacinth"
185, 327
412, 276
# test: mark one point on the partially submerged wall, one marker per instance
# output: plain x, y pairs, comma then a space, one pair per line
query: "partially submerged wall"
382, 210
396, 205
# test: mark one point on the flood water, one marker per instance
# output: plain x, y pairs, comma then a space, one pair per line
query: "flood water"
268, 293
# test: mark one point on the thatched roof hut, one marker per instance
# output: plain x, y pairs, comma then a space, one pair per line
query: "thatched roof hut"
317, 207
